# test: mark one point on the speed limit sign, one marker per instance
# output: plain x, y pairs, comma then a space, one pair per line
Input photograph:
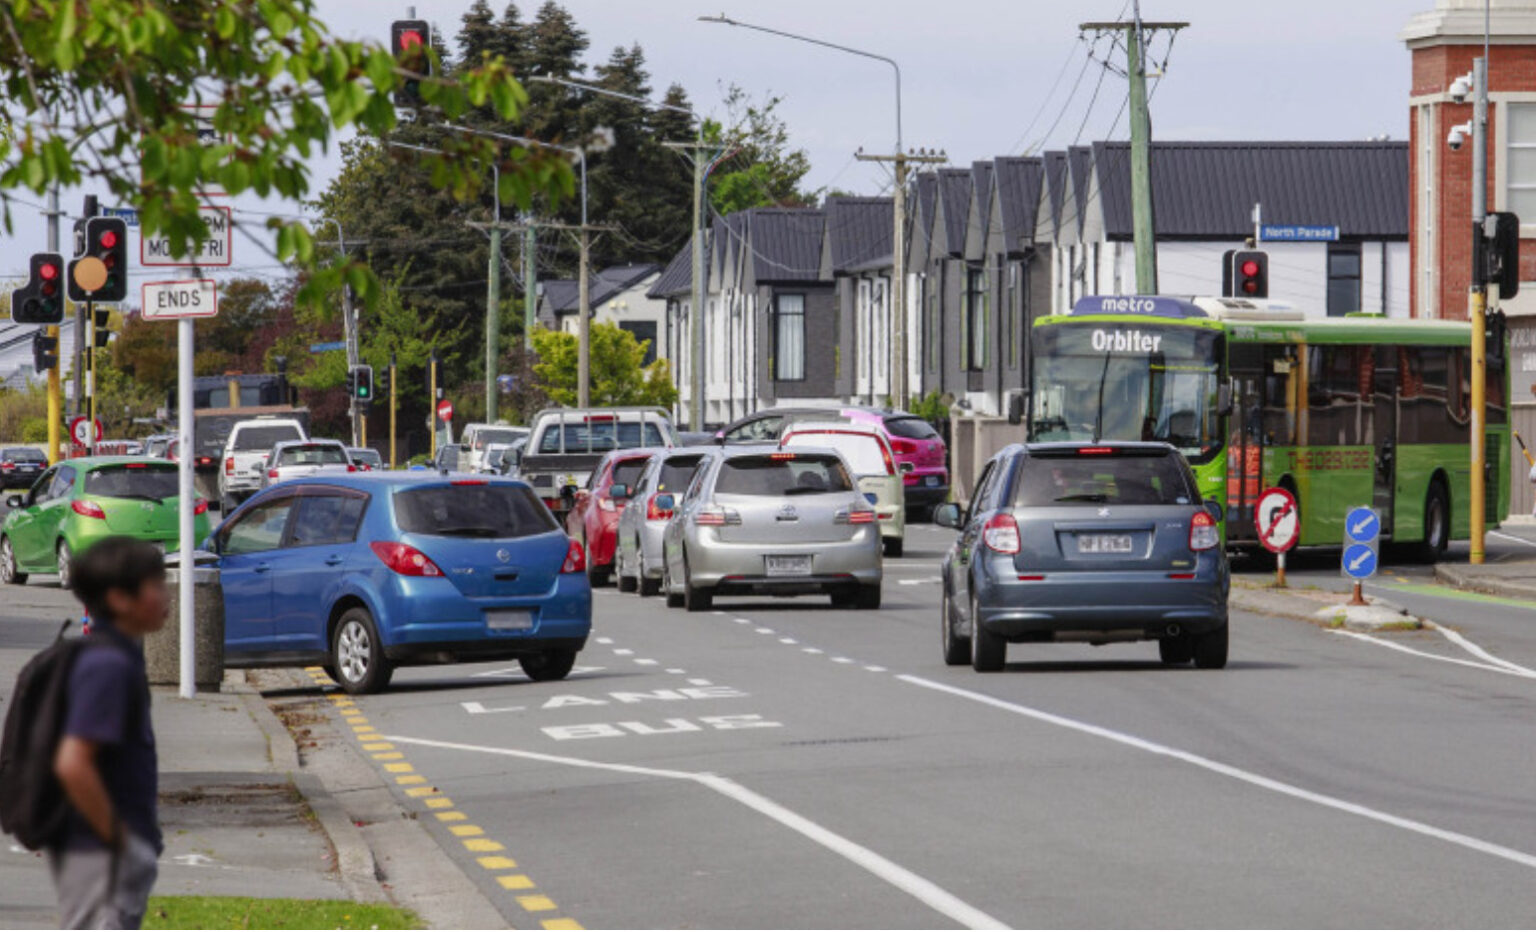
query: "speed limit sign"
1277, 521
81, 430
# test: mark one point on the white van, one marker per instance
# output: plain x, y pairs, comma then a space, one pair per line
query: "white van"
869, 458
477, 437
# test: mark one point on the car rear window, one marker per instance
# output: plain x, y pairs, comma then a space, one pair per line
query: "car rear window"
1104, 479
913, 428
677, 472
150, 482
248, 439
783, 474
627, 472
313, 454
864, 452
486, 437
600, 437
490, 511
367, 455
22, 455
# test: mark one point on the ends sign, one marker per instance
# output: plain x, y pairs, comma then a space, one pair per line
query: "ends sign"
175, 300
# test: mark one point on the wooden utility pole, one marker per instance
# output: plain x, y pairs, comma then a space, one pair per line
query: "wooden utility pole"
899, 390
703, 156
1142, 226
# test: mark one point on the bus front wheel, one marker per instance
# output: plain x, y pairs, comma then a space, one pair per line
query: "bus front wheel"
1437, 523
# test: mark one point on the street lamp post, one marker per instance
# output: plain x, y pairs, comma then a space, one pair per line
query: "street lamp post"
348, 326
898, 379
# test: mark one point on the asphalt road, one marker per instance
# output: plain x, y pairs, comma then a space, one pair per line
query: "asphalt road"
778, 763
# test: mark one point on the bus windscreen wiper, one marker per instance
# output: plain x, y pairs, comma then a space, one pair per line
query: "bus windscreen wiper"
1098, 417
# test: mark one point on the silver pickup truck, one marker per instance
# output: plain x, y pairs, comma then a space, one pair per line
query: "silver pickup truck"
567, 443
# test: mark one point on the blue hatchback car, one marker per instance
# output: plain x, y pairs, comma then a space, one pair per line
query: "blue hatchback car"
364, 572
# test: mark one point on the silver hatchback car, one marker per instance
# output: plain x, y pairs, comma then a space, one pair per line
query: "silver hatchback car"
771, 521
637, 554
1094, 542
291, 459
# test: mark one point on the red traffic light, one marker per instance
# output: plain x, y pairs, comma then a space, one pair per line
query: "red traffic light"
108, 239
409, 39
1250, 268
48, 271
1251, 286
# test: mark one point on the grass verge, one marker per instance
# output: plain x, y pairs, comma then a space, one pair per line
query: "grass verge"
244, 912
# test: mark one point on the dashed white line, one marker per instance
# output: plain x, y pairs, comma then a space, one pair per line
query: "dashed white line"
918, 887
788, 641
1227, 770
743, 621
699, 682
764, 630
811, 650
605, 640
675, 671
842, 660
622, 651
874, 669
644, 662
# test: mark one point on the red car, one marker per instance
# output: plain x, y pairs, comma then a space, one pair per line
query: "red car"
594, 517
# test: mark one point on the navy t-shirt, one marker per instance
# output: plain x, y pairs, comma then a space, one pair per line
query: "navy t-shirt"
109, 705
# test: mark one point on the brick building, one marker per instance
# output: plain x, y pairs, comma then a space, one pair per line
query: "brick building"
1442, 43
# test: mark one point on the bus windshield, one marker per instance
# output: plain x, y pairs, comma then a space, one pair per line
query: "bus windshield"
1127, 380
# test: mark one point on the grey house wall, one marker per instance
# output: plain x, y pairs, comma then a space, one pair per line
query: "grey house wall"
846, 296
820, 341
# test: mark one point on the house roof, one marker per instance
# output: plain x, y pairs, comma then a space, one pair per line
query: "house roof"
677, 278
1018, 196
1056, 185
785, 243
562, 295
1208, 189
955, 202
859, 231
1080, 165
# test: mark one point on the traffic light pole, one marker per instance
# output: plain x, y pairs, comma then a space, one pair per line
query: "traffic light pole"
432, 402
55, 389
90, 379
1479, 311
392, 410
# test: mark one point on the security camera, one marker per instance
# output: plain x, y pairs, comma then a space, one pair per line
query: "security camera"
1458, 135
1460, 88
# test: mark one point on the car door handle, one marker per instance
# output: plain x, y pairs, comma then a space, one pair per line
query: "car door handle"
262, 567
333, 560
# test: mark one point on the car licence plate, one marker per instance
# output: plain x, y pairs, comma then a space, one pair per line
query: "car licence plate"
931, 480
509, 620
787, 566
1104, 543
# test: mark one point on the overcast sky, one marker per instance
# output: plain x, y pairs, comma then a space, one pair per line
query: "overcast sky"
977, 74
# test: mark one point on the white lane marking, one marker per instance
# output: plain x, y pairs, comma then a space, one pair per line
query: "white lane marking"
920, 581
1227, 770
811, 650
764, 630
1520, 540
699, 682
605, 640
622, 651
1465, 643
788, 641
842, 660
920, 888
718, 612
875, 669
743, 621
1381, 642
676, 671
645, 663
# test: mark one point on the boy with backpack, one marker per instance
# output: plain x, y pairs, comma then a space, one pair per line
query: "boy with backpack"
78, 763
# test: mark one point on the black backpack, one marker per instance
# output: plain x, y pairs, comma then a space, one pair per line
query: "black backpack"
32, 803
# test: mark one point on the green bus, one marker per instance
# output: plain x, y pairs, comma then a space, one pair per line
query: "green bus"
1344, 411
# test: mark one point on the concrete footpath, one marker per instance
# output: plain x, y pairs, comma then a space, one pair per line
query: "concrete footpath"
1512, 579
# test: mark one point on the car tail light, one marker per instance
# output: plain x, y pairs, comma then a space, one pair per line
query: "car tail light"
8, 465
715, 516
200, 507
652, 513
88, 509
351, 468
271, 474
1095, 451
902, 446
854, 516
470, 482
229, 466
1001, 534
575, 559
890, 464
1203, 534
404, 559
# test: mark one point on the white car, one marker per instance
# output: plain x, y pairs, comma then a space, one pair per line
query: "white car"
244, 471
869, 457
478, 438
291, 459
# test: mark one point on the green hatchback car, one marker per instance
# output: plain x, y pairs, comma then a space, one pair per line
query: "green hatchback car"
79, 501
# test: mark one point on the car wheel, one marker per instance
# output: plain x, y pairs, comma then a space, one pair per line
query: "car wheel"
957, 649
549, 665
645, 584
65, 558
867, 598
695, 598
1211, 649
988, 650
1176, 650
358, 654
10, 574
894, 546
1437, 524
627, 583
674, 599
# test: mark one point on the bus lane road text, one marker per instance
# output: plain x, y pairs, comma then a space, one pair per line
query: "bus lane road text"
701, 690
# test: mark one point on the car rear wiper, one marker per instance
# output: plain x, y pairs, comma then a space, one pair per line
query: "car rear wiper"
1084, 497
468, 532
804, 490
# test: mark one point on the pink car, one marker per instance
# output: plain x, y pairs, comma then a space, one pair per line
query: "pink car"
920, 454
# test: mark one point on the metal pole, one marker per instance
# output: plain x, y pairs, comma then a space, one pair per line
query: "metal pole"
1141, 168
583, 311
392, 410
90, 380
898, 380
1479, 309
696, 325
493, 323
55, 416
432, 401
530, 281
186, 616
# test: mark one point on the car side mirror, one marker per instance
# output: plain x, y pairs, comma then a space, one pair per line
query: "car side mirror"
1224, 399
947, 515
14, 502
210, 544
666, 502
619, 491
1213, 507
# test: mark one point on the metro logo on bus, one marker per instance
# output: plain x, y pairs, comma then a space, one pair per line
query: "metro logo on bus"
1126, 341
1141, 305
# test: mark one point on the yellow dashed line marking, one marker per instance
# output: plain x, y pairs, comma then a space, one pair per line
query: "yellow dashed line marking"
536, 903
515, 882
378, 746
450, 816
416, 790
562, 924
464, 831
399, 768
497, 863
440, 802
483, 844
388, 755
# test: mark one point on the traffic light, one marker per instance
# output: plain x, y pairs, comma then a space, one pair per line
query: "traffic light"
39, 301
101, 326
101, 273
381, 384
1248, 274
1502, 252
45, 351
360, 383
410, 39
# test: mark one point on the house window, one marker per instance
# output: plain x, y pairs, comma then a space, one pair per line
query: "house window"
789, 337
1012, 310
1343, 278
931, 323
865, 316
975, 320
1520, 169
644, 332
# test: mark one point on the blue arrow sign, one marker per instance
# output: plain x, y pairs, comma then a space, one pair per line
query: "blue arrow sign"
327, 347
1359, 561
1362, 525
